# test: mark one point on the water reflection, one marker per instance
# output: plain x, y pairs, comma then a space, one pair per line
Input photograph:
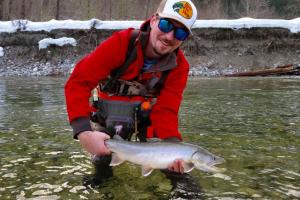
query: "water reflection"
255, 122
252, 123
184, 186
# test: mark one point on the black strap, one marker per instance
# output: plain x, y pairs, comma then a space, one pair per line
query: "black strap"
158, 86
163, 78
131, 55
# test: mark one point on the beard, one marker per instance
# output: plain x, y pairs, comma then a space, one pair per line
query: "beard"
159, 54
164, 47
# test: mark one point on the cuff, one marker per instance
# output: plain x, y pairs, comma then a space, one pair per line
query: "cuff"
79, 125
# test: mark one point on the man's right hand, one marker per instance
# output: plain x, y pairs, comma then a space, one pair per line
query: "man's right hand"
93, 142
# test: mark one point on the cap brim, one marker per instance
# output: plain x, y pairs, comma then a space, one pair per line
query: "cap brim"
176, 19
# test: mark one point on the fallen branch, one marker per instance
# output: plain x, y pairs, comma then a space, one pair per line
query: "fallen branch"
280, 70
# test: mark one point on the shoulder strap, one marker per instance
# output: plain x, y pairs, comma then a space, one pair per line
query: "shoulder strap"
131, 55
157, 85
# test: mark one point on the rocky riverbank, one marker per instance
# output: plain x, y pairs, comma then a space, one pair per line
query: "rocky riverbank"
211, 52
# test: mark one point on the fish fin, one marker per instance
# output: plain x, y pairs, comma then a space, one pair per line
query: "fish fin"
115, 160
117, 137
154, 140
188, 167
218, 170
146, 171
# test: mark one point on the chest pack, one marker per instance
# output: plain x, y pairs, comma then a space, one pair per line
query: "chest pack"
122, 117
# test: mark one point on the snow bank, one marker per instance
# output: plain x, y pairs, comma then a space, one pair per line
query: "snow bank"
25, 25
293, 25
44, 43
61, 24
7, 27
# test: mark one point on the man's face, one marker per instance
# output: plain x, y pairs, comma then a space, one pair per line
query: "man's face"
161, 43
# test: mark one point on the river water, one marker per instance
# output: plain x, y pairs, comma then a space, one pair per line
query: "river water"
254, 123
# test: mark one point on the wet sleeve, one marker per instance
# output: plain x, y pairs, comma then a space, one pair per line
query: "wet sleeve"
86, 76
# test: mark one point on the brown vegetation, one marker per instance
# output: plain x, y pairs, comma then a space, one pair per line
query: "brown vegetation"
44, 10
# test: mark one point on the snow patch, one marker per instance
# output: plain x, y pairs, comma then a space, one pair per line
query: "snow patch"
44, 43
1, 51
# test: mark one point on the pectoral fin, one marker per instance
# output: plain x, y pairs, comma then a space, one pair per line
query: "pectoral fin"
146, 170
115, 160
217, 170
188, 167
117, 137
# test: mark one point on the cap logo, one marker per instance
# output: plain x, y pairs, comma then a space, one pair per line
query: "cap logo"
184, 9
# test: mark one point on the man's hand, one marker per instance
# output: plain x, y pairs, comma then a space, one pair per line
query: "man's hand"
93, 142
177, 166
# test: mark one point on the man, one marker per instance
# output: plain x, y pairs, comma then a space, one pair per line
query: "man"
156, 73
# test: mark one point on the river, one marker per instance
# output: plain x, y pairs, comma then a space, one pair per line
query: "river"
254, 123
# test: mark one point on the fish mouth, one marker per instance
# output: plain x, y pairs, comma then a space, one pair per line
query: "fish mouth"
210, 169
216, 161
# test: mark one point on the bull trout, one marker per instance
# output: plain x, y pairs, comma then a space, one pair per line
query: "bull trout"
159, 154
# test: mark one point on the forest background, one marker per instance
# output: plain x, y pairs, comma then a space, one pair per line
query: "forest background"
44, 10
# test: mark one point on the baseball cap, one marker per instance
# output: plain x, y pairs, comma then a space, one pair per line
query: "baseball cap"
184, 12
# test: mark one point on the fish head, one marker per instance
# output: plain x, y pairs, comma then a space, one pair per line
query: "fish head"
205, 161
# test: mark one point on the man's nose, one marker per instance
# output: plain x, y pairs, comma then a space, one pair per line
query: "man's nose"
170, 35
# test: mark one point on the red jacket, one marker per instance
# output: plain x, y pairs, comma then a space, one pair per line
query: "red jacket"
108, 56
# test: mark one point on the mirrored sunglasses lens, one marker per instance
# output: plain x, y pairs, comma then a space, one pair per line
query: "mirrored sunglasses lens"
165, 26
181, 34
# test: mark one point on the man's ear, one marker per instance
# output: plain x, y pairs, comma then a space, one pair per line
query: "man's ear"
153, 21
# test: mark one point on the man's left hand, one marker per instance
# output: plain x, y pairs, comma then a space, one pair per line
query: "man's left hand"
177, 165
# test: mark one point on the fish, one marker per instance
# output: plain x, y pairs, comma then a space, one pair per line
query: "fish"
159, 154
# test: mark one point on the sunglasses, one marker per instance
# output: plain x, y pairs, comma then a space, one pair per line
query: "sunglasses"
166, 26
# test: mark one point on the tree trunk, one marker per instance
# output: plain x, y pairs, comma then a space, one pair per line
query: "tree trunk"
57, 9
